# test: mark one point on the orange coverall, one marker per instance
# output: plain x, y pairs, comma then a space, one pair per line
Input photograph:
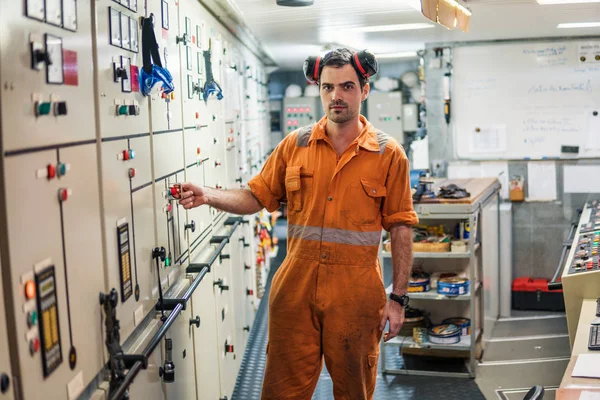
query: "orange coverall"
327, 297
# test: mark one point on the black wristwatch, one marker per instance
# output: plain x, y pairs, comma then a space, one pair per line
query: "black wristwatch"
402, 300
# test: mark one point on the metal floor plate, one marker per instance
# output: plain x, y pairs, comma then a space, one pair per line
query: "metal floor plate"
389, 387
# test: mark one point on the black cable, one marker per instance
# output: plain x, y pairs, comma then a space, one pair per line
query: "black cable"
160, 293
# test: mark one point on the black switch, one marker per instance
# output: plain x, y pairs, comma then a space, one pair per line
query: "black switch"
60, 108
133, 110
4, 383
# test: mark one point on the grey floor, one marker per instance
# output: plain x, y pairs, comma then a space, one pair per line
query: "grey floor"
249, 381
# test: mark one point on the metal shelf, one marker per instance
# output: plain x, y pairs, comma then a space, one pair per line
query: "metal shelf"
433, 295
446, 254
408, 342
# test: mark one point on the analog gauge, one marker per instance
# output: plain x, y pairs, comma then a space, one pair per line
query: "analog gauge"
54, 69
133, 35
125, 42
70, 14
54, 12
35, 9
115, 27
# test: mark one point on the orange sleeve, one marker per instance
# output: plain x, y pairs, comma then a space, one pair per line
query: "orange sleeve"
398, 204
269, 185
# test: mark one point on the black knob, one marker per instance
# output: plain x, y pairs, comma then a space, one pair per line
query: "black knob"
246, 266
4, 383
239, 180
195, 321
60, 108
133, 110
159, 252
218, 283
224, 287
41, 56
121, 73
182, 39
191, 226
224, 257
195, 88
247, 328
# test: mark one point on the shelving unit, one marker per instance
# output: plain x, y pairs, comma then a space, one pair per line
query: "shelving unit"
484, 191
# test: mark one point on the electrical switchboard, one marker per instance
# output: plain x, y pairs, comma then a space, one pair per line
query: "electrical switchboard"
385, 112
112, 104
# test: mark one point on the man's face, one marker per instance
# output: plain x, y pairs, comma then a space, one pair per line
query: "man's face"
341, 94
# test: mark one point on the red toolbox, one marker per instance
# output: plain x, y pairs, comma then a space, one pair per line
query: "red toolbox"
533, 294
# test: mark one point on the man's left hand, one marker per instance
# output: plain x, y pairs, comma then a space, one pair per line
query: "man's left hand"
394, 313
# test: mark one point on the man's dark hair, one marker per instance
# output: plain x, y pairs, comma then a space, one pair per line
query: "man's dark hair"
338, 58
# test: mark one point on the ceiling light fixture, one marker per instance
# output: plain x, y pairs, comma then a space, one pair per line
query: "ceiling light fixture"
402, 54
448, 13
391, 28
550, 2
294, 3
579, 25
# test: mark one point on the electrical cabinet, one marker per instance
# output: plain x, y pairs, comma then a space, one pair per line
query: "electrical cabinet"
6, 377
300, 111
89, 164
385, 113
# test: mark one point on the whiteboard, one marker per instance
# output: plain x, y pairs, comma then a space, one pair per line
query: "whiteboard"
526, 100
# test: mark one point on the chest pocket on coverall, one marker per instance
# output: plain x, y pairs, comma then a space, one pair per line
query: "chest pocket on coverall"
298, 188
364, 201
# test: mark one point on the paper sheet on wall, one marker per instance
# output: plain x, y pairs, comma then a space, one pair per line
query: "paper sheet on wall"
541, 181
593, 136
458, 170
488, 139
577, 178
497, 170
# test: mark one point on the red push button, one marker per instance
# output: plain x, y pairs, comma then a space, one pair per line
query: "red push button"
34, 345
132, 172
63, 194
197, 115
51, 171
125, 155
198, 151
174, 191
249, 292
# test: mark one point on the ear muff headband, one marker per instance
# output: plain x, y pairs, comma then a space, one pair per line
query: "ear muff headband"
364, 63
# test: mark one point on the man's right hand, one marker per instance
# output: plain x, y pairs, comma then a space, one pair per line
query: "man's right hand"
192, 196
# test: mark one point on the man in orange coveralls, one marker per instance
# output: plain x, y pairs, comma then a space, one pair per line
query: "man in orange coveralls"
342, 180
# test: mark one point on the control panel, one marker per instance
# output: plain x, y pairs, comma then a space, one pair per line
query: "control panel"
112, 105
385, 112
581, 272
299, 112
590, 217
586, 253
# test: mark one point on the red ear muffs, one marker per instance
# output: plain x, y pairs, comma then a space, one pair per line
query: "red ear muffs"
311, 69
364, 63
